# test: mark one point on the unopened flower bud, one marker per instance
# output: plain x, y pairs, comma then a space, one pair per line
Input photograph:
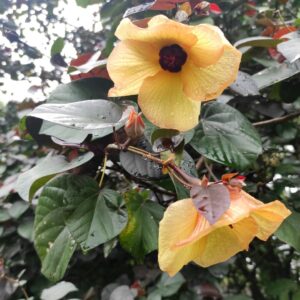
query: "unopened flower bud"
134, 127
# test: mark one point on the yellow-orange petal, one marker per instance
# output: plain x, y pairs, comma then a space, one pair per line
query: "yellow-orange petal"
201, 84
161, 32
163, 102
224, 242
129, 64
269, 218
209, 47
178, 223
239, 209
219, 32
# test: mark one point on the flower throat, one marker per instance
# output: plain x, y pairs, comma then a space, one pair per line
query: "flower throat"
172, 58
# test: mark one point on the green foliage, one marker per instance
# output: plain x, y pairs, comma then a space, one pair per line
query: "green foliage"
167, 286
97, 219
30, 181
141, 232
95, 238
57, 46
225, 136
288, 232
79, 90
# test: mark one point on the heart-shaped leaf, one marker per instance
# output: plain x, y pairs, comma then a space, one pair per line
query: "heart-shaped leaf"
97, 117
141, 233
97, 219
72, 212
226, 136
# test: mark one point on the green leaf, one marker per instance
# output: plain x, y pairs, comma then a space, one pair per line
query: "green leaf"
258, 41
281, 289
25, 230
226, 136
141, 233
4, 215
290, 49
168, 286
109, 246
245, 85
97, 218
57, 46
270, 76
92, 116
17, 209
288, 232
53, 240
79, 90
30, 181
139, 166
151, 128
85, 3
66, 134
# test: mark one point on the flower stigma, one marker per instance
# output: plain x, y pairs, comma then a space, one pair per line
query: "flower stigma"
172, 58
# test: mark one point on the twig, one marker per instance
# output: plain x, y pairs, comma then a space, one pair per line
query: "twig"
140, 181
277, 120
16, 281
199, 162
172, 173
210, 171
103, 170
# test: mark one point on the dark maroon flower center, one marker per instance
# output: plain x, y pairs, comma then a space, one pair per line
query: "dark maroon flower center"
172, 58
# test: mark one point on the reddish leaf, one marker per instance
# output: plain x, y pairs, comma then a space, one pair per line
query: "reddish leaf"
96, 72
228, 176
211, 201
277, 34
215, 9
165, 4
251, 12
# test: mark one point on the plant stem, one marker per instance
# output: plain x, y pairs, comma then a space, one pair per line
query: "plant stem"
277, 120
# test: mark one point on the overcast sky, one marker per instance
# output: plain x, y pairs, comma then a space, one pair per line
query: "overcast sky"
75, 16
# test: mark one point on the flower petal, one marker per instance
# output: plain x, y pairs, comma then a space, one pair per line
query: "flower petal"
209, 47
269, 217
129, 64
202, 84
163, 102
161, 31
178, 223
224, 242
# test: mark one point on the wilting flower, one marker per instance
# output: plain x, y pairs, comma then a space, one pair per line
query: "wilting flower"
185, 235
172, 67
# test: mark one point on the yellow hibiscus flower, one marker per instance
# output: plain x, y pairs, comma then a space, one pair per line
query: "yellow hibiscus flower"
172, 67
185, 235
